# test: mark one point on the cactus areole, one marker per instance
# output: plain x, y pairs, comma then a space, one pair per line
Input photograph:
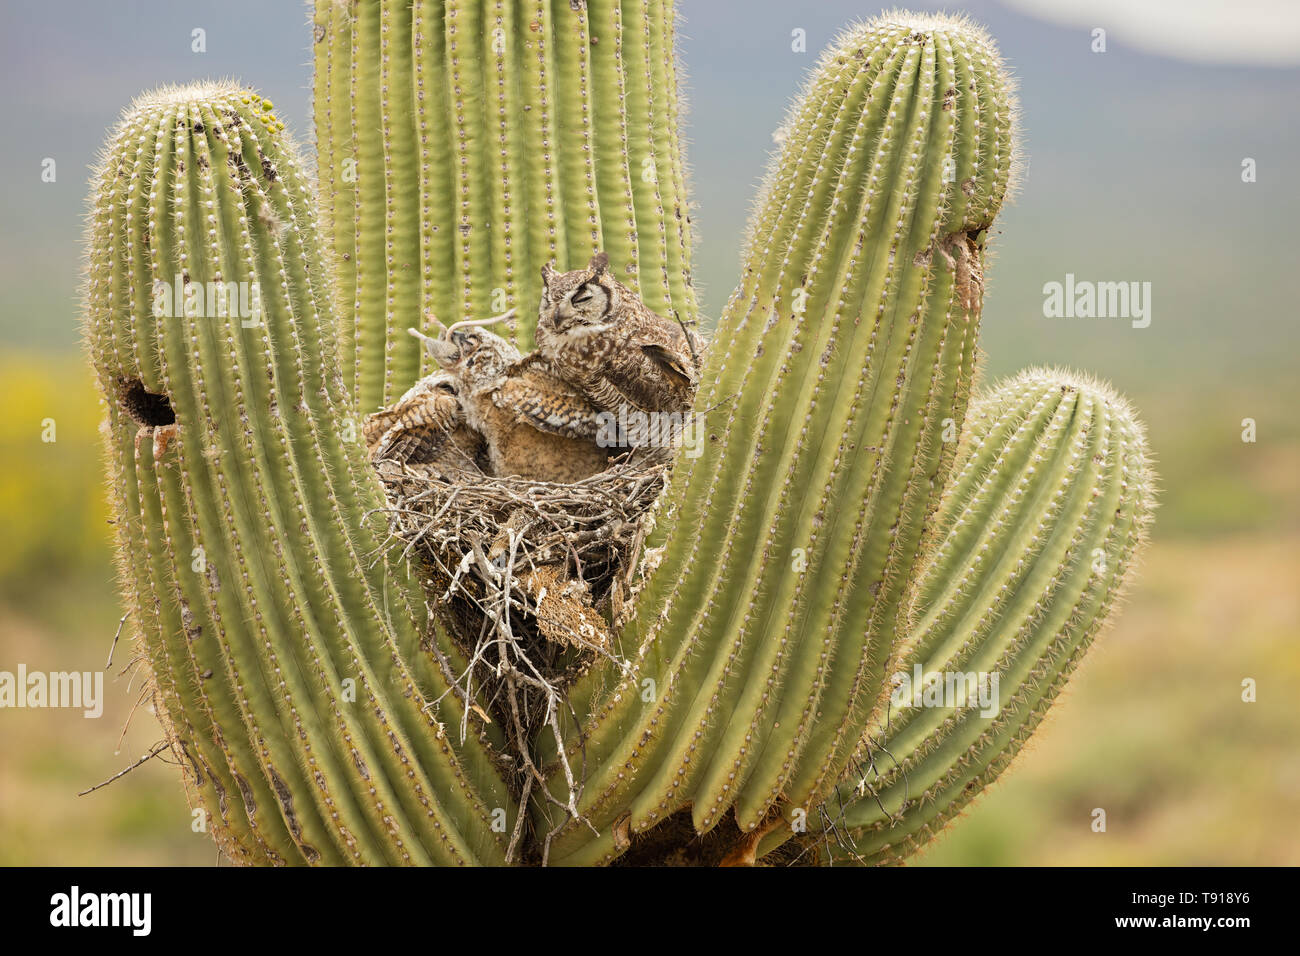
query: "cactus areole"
811, 637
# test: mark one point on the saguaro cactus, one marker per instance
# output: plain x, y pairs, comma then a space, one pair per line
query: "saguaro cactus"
820, 544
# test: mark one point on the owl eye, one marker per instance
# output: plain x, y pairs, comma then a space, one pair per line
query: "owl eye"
583, 294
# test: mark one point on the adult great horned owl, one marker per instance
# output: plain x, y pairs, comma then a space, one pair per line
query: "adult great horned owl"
597, 335
535, 425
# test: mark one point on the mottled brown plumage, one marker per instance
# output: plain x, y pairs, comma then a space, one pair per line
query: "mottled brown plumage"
426, 431
535, 425
598, 336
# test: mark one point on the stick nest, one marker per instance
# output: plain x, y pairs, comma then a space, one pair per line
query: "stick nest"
533, 580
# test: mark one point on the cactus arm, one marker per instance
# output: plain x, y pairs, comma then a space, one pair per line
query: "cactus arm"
943, 327
982, 165
223, 777
846, 396
141, 136
1039, 532
269, 484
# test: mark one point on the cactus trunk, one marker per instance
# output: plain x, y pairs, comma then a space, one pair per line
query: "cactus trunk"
464, 144
311, 723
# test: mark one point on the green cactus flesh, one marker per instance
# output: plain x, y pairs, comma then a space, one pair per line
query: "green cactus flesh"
462, 145
790, 540
261, 592
831, 533
1037, 533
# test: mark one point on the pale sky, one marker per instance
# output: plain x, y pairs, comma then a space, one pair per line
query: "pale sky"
1239, 32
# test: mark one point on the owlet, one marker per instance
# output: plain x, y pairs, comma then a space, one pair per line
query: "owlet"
535, 425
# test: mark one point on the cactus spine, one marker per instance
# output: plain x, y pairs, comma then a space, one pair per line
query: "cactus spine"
464, 144
850, 340
258, 593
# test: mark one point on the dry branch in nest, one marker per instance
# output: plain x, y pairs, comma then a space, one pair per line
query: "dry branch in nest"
532, 578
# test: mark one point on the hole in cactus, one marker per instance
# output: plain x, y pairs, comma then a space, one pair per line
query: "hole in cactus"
145, 407
674, 842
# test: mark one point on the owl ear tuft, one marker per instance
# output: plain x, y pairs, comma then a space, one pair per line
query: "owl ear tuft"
548, 274
599, 264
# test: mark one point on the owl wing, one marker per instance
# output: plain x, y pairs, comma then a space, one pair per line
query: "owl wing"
415, 428
672, 363
546, 403
654, 375
375, 425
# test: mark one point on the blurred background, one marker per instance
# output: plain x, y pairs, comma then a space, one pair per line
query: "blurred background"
1133, 172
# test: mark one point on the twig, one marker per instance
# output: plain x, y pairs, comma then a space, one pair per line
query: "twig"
690, 341
154, 751
483, 541
116, 634
144, 692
